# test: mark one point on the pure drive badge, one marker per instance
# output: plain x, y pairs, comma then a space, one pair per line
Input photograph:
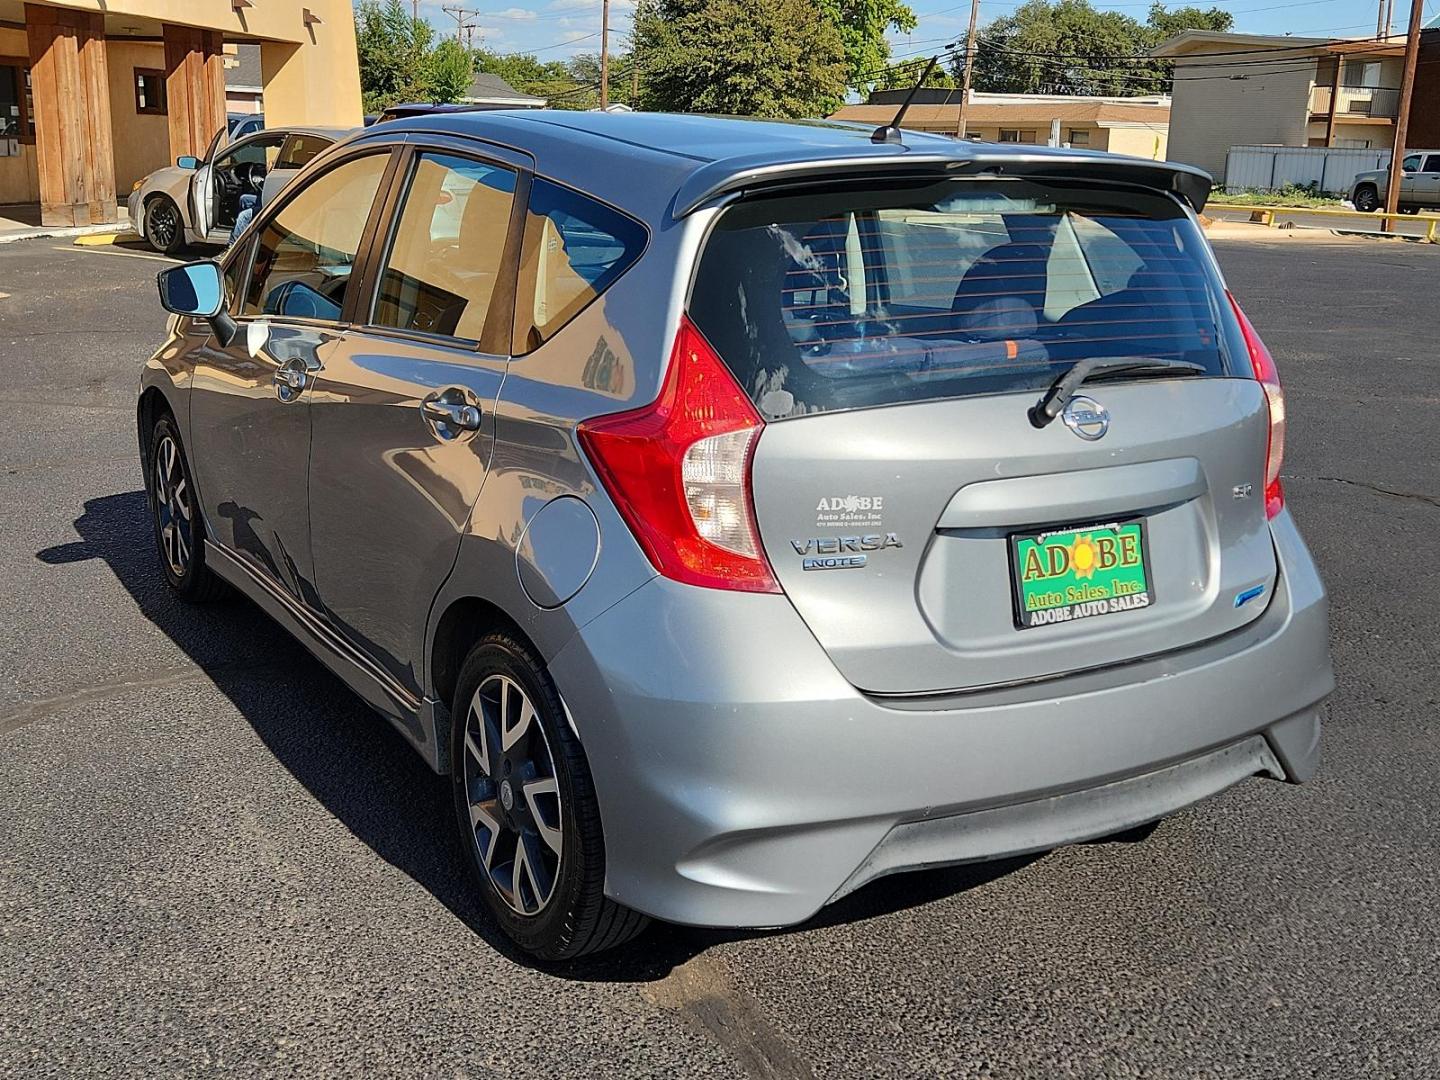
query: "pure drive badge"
842, 552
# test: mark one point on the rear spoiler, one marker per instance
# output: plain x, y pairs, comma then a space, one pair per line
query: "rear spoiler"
733, 176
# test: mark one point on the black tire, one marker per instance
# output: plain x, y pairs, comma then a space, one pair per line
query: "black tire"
163, 227
179, 536
575, 918
1367, 199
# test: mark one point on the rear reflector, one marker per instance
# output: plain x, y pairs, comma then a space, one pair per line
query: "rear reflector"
678, 470
1263, 366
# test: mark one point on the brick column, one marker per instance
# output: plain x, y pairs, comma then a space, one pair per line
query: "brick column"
73, 148
194, 87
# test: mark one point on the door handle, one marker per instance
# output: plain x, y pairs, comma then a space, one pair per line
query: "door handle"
289, 378
453, 414
293, 376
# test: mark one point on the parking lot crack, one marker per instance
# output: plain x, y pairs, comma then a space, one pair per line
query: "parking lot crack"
700, 992
1378, 489
176, 676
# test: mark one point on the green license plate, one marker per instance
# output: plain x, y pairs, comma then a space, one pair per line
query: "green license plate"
1078, 573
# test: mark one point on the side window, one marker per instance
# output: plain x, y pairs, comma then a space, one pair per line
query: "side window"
574, 250
1432, 163
234, 272
258, 152
1410, 163
445, 254
306, 251
299, 149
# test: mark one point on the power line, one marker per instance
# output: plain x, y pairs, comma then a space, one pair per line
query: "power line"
546, 48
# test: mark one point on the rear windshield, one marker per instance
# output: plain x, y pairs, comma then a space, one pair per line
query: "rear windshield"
870, 296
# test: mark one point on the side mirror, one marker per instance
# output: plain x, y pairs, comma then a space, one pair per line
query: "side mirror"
198, 290
187, 161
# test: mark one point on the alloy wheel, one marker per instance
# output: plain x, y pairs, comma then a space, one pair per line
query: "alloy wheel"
163, 221
172, 507
514, 795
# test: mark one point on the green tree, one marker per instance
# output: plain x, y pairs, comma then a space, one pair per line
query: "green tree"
773, 58
1068, 47
398, 61
449, 71
1162, 24
862, 25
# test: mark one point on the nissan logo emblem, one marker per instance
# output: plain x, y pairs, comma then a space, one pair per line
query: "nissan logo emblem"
1087, 418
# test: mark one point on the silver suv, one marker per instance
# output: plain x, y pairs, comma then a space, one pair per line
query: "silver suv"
1419, 184
737, 511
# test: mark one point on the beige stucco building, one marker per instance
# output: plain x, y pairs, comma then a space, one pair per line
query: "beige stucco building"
1137, 126
96, 93
1256, 89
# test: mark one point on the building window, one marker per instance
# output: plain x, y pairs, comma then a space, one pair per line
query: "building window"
1017, 135
17, 113
149, 92
1078, 137
1361, 74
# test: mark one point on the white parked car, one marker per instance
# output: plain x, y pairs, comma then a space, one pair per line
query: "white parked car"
196, 201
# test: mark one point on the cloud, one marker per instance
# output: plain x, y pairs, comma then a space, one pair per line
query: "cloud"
519, 14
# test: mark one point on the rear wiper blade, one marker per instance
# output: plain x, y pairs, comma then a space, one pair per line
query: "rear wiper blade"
1054, 400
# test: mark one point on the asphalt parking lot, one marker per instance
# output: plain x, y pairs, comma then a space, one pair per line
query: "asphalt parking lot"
213, 860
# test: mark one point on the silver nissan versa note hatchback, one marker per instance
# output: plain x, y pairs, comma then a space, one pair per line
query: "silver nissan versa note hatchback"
741, 511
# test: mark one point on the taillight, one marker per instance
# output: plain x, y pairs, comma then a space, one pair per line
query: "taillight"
678, 470
1263, 365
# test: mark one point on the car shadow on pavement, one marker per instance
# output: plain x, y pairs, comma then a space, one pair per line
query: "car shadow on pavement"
365, 774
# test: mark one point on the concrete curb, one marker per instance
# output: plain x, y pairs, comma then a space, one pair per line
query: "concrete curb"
42, 232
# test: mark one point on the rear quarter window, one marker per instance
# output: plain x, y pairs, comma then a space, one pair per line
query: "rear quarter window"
874, 296
574, 249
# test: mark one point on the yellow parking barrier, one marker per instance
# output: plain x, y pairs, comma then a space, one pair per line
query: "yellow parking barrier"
1266, 215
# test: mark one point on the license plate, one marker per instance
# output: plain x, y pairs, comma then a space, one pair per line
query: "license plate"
1076, 573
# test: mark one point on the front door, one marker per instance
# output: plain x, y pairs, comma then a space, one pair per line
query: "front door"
404, 417
250, 402
1411, 183
238, 170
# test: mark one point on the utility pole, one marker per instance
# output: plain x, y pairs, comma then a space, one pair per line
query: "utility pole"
1402, 117
969, 66
464, 23
605, 54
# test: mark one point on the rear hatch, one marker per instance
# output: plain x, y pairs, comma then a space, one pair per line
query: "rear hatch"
895, 337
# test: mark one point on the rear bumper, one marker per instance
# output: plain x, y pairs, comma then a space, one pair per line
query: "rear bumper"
743, 782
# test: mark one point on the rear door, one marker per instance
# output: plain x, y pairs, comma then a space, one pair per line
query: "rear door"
933, 538
1428, 182
404, 410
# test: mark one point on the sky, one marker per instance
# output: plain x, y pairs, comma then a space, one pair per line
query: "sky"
556, 29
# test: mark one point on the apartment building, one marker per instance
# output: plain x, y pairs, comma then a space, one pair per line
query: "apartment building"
1255, 89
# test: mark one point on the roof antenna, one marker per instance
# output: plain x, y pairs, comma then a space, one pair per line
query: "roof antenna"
890, 133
